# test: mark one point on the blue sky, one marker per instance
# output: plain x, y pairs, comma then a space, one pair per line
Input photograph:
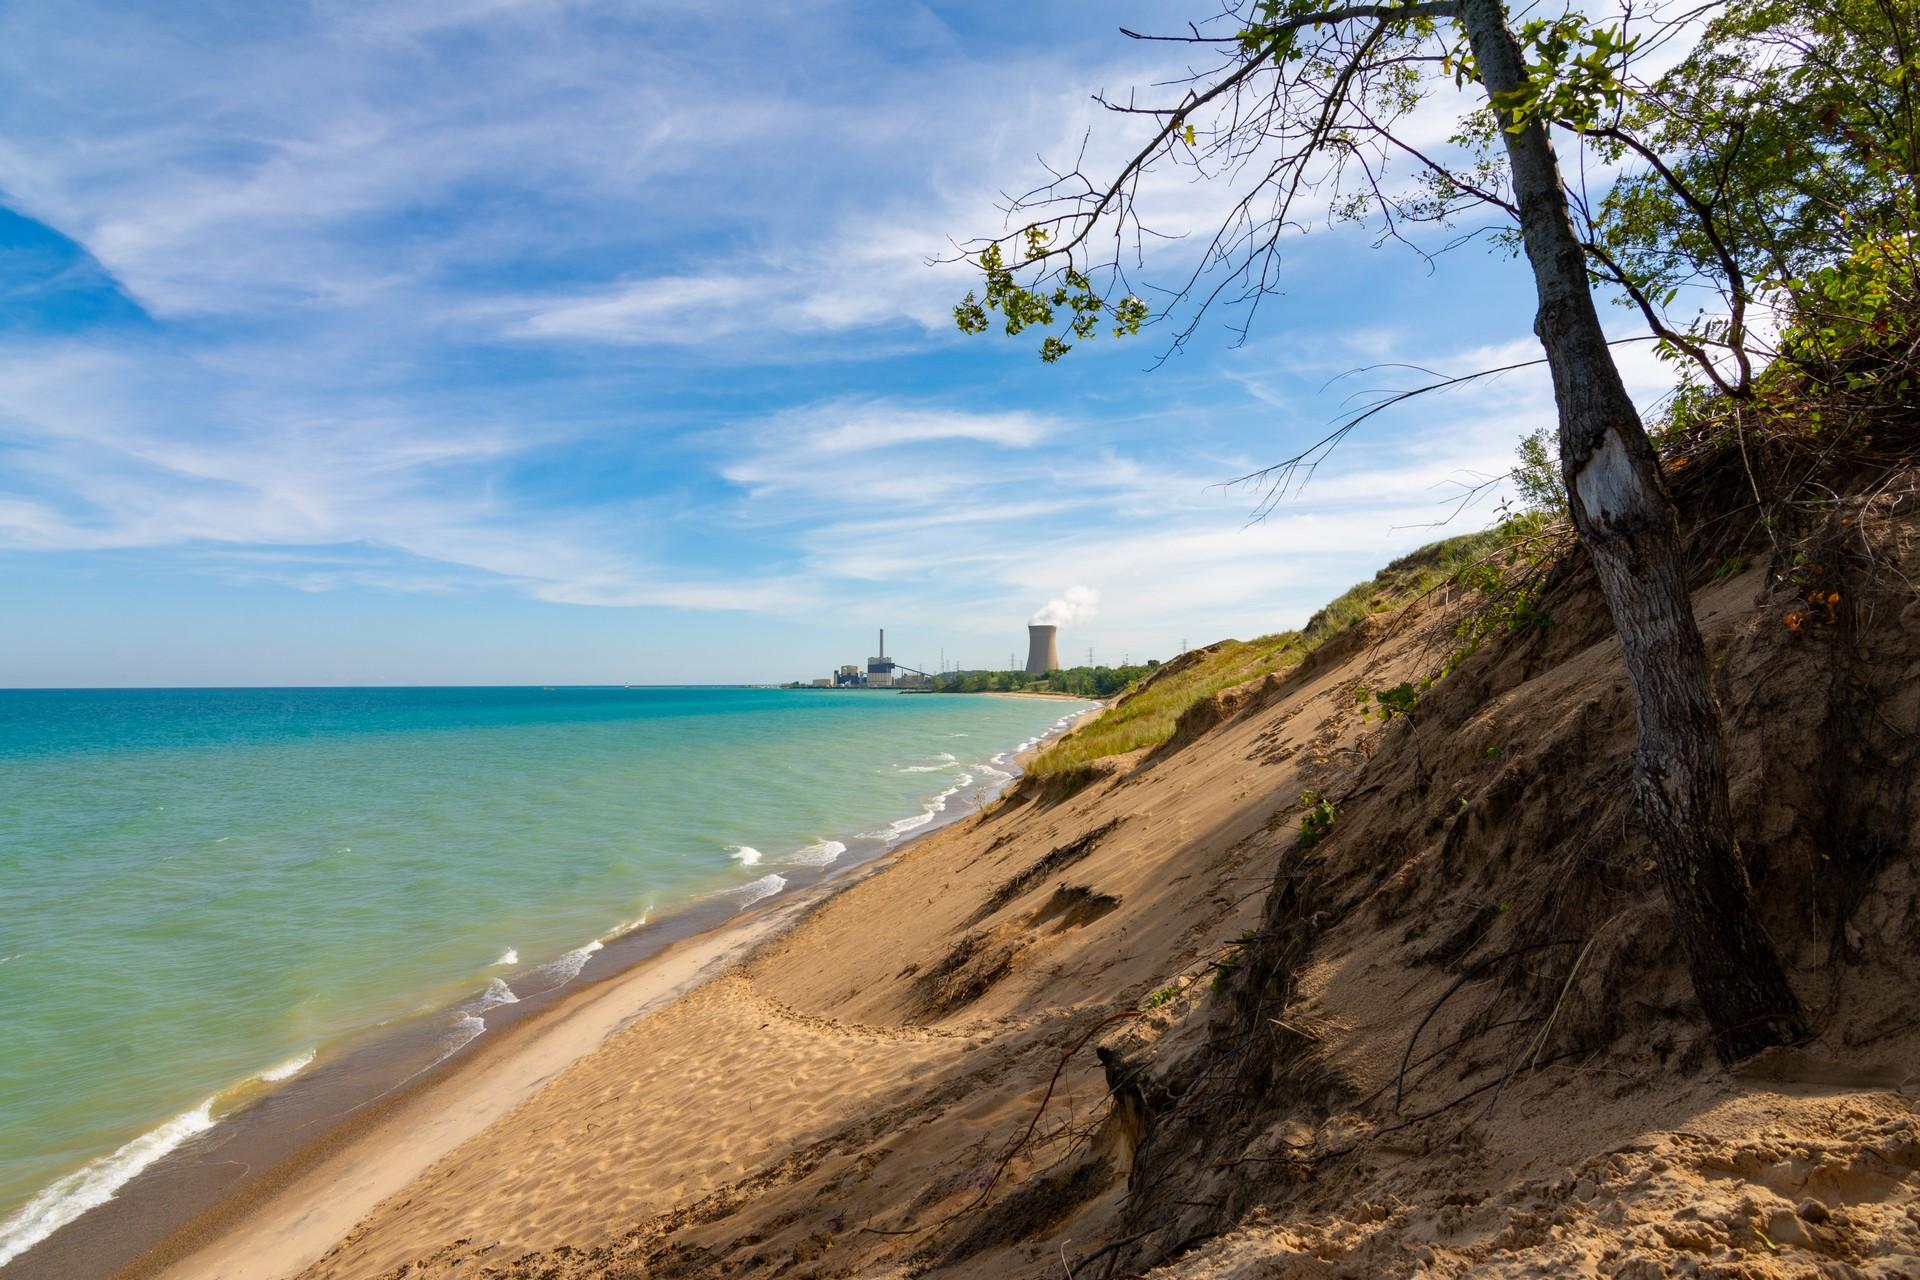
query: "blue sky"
534, 341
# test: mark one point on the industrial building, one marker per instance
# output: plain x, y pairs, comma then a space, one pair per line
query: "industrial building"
1043, 649
880, 672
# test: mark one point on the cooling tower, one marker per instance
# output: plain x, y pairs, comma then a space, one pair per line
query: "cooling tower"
1043, 651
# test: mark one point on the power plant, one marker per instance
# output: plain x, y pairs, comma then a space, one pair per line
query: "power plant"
880, 672
883, 672
1043, 649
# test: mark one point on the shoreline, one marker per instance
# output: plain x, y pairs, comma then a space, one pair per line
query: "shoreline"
1024, 756
1057, 697
318, 1126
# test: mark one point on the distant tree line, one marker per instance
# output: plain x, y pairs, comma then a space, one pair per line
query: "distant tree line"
1085, 682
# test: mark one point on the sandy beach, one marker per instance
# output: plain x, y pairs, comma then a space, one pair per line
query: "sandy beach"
361, 1148
280, 1225
921, 1068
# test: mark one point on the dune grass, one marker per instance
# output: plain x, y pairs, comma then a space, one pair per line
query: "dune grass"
1401, 582
1144, 715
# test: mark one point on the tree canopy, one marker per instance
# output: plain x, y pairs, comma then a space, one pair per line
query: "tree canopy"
1753, 174
1295, 105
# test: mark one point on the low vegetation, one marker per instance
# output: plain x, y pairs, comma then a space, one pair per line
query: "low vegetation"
1146, 714
1083, 682
1403, 581
1317, 822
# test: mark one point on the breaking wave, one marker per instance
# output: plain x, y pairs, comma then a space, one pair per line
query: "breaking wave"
765, 887
568, 966
287, 1070
818, 854
496, 994
622, 930
95, 1183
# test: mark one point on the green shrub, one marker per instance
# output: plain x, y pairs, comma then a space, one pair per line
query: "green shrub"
1400, 700
1317, 822
1223, 967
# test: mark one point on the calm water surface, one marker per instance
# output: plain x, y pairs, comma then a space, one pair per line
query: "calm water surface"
199, 889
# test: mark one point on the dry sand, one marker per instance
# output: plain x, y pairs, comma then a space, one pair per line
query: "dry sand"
301, 1220
901, 1078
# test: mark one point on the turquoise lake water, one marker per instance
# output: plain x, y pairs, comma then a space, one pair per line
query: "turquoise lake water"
205, 887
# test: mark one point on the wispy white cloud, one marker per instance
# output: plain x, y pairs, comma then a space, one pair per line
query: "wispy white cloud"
671, 310
1149, 531
237, 473
462, 294
847, 426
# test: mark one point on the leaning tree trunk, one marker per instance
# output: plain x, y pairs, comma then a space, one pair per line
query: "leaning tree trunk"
1627, 523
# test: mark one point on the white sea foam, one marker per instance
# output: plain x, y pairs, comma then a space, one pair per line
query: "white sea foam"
562, 970
469, 1028
568, 966
935, 806
496, 994
622, 930
765, 887
288, 1069
745, 854
95, 1183
897, 829
15, 956
818, 854
509, 956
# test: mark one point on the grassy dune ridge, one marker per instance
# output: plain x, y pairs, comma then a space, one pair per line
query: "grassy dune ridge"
1144, 714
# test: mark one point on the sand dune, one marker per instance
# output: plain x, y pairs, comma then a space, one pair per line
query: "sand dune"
977, 1060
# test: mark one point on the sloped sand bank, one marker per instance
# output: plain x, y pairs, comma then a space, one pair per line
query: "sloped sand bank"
1451, 1037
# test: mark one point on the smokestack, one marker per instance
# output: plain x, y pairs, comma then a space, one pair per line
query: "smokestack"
1043, 651
883, 642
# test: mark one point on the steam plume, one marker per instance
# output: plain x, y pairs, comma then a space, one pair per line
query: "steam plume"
1077, 605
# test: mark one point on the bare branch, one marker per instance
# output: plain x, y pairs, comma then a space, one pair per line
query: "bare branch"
1273, 483
1279, 34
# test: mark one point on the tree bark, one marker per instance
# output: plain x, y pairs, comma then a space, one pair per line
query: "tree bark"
1626, 521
